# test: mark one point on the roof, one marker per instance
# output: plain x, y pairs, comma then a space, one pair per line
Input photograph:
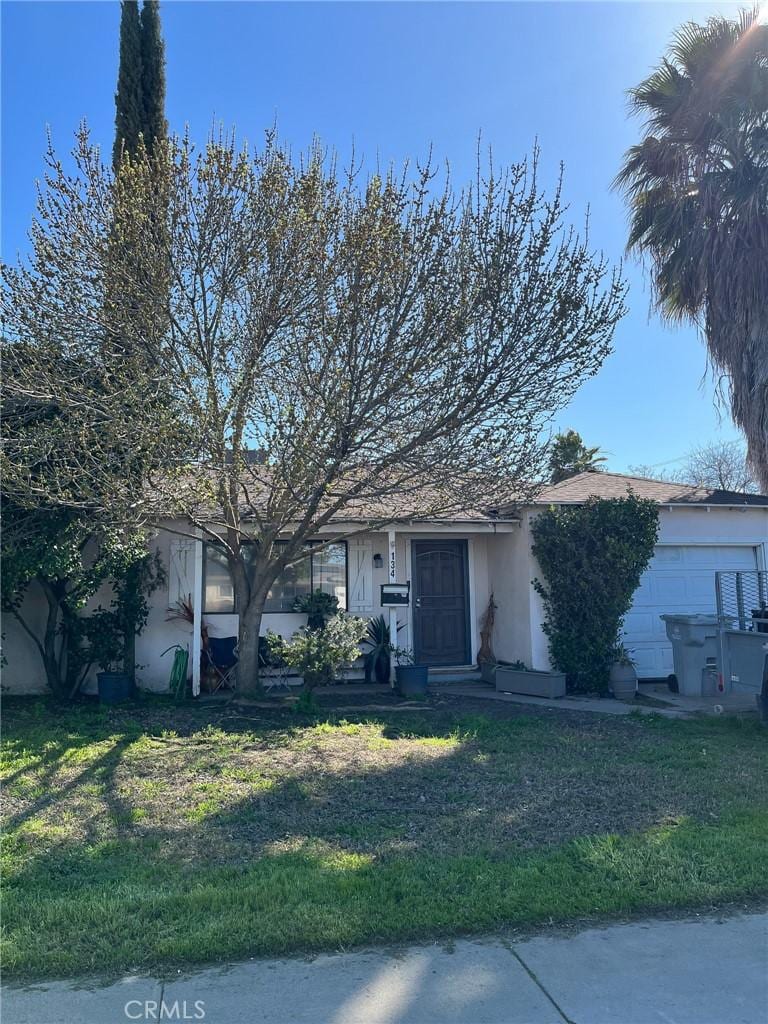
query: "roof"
599, 484
402, 500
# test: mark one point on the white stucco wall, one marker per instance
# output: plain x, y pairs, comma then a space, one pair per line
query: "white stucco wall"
509, 579
711, 525
499, 561
24, 672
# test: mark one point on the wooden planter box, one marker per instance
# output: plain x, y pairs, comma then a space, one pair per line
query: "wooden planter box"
530, 682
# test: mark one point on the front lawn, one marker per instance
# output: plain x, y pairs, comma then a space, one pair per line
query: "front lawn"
157, 836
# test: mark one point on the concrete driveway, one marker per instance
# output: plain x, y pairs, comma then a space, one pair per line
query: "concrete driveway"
707, 970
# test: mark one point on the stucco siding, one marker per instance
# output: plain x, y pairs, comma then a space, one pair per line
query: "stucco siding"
510, 581
499, 561
679, 525
23, 670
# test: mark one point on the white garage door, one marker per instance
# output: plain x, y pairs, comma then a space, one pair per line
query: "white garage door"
680, 578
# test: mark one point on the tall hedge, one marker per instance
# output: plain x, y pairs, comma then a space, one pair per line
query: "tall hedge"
591, 557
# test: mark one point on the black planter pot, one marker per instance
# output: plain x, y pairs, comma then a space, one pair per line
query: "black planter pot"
381, 669
114, 687
412, 680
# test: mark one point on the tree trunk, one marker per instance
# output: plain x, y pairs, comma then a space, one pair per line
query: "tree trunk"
55, 666
131, 602
129, 653
749, 380
248, 682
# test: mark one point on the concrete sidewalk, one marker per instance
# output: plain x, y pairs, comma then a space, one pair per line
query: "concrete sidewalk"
704, 971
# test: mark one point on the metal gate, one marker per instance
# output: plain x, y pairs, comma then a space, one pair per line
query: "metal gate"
742, 614
742, 600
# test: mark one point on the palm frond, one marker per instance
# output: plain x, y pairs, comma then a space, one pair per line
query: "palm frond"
697, 191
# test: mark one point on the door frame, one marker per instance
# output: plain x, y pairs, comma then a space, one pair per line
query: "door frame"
464, 548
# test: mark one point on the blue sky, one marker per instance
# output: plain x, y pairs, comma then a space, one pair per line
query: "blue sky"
393, 78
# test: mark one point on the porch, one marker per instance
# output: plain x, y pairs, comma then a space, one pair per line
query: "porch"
453, 568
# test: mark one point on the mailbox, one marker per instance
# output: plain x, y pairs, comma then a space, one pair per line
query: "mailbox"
395, 595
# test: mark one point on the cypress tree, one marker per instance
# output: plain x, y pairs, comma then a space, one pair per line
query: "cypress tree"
140, 112
129, 103
152, 75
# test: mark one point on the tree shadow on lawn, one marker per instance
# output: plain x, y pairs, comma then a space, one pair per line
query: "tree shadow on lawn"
379, 784
289, 834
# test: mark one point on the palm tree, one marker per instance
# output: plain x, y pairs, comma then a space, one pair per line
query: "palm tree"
570, 456
697, 187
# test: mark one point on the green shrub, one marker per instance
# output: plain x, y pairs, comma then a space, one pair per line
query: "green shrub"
320, 654
591, 557
317, 606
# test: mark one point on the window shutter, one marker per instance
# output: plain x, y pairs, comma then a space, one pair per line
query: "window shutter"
181, 571
360, 575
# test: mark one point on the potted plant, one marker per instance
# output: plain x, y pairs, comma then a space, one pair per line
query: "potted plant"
273, 668
317, 606
622, 675
379, 655
486, 659
516, 677
106, 648
411, 679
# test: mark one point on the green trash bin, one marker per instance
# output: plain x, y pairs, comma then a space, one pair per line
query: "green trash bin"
695, 651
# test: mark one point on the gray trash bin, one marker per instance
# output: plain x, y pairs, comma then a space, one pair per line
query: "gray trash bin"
695, 651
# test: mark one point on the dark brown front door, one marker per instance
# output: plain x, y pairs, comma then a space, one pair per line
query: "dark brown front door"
440, 602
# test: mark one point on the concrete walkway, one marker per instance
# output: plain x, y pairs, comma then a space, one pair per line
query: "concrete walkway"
699, 971
593, 705
677, 705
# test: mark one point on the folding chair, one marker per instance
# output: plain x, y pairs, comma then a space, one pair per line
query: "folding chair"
221, 653
278, 680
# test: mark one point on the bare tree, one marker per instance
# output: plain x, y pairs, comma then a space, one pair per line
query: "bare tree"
721, 465
332, 347
649, 472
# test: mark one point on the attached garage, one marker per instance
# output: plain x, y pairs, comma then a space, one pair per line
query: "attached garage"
680, 578
701, 532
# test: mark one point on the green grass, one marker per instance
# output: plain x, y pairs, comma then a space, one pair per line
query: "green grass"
152, 838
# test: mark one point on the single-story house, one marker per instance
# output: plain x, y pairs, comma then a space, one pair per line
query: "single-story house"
453, 565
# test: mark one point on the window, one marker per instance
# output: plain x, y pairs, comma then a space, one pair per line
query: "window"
324, 570
293, 582
219, 589
329, 572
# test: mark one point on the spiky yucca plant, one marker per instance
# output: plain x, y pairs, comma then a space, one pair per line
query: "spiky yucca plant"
697, 187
